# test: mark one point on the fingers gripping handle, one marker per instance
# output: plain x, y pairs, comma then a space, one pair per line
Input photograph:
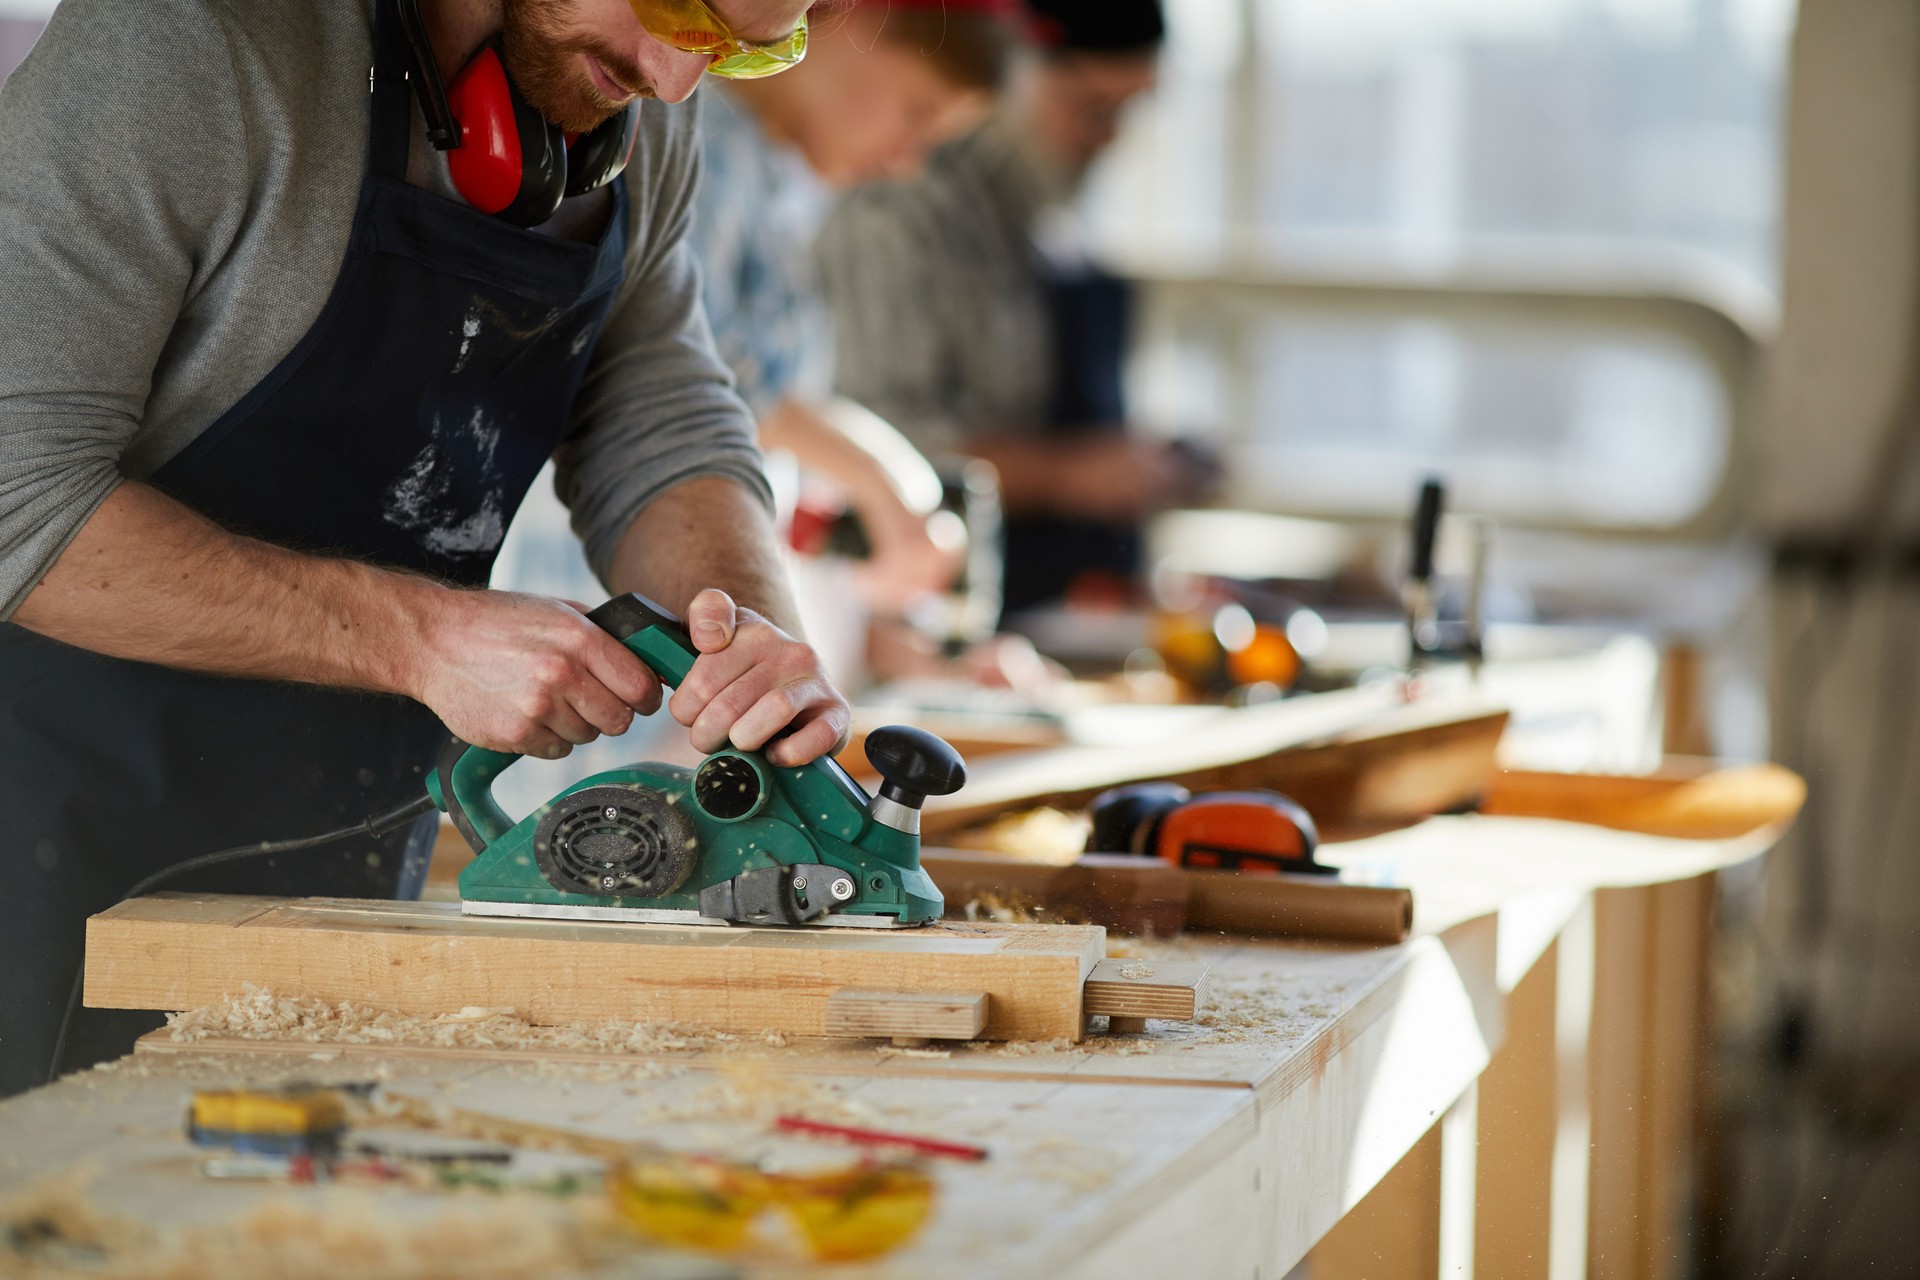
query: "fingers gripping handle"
658, 637
462, 779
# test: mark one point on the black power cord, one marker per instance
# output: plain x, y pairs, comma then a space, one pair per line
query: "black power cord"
379, 824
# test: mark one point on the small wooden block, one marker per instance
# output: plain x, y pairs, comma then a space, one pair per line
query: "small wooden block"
909, 1015
1145, 989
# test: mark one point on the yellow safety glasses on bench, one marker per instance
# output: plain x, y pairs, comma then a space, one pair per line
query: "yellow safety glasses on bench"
841, 1215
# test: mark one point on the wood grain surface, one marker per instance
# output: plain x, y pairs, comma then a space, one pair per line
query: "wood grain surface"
179, 952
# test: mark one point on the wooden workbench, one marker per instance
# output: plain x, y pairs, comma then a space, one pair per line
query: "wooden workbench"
1329, 1096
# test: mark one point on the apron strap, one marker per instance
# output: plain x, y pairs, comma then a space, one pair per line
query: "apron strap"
390, 121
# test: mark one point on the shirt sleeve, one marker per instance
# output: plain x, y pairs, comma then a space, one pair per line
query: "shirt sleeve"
890, 343
122, 174
657, 407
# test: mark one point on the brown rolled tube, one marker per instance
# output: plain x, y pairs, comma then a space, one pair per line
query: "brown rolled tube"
1280, 906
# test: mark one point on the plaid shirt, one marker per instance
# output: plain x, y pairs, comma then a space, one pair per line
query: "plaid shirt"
936, 294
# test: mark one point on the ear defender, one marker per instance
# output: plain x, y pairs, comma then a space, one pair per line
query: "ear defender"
505, 158
510, 162
597, 158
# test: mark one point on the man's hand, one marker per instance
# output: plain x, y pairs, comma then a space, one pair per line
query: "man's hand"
527, 674
912, 557
752, 684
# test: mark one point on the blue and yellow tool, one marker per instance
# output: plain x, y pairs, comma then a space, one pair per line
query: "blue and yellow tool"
294, 1120
734, 840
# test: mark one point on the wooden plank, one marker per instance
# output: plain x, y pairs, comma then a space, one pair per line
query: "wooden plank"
932, 1015
1690, 801
1356, 756
179, 952
1145, 989
1151, 896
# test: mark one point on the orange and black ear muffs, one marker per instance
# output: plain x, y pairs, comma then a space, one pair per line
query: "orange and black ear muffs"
504, 157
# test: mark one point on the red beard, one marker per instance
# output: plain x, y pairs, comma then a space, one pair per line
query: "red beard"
543, 53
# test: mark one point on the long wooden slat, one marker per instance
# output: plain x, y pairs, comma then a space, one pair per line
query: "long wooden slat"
1356, 757
180, 952
1149, 895
1689, 801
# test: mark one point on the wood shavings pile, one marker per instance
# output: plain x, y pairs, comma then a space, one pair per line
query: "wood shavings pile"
1027, 1048
54, 1230
258, 1014
1240, 1006
1051, 836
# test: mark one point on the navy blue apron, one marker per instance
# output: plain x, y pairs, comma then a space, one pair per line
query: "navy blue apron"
403, 430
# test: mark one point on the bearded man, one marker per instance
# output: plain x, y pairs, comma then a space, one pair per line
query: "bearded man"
299, 296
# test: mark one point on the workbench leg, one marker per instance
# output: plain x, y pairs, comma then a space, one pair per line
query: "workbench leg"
1573, 1130
1394, 1232
1648, 1009
1459, 1149
1519, 1122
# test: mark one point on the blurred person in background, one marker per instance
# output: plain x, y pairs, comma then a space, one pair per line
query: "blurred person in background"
885, 82
968, 315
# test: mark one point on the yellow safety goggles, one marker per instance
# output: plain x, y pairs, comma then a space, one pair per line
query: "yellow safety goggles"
693, 26
842, 1215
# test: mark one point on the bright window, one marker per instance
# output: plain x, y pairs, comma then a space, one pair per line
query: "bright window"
1584, 145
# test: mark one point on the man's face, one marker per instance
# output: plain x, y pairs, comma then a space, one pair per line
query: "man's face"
1075, 101
580, 61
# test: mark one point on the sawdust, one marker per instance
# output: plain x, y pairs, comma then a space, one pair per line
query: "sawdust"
53, 1229
1051, 836
1136, 970
905, 1051
1005, 907
1242, 1006
257, 1014
1027, 1048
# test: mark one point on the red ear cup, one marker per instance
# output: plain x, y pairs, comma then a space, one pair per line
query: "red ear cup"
510, 162
595, 159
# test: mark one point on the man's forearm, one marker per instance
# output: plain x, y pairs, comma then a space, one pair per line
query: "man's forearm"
151, 579
707, 532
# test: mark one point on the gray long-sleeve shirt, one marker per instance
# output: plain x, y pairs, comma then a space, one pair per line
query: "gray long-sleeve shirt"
177, 183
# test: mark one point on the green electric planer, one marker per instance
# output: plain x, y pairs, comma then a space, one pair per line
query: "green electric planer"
735, 840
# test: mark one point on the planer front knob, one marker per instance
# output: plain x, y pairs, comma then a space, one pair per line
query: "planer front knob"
913, 764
